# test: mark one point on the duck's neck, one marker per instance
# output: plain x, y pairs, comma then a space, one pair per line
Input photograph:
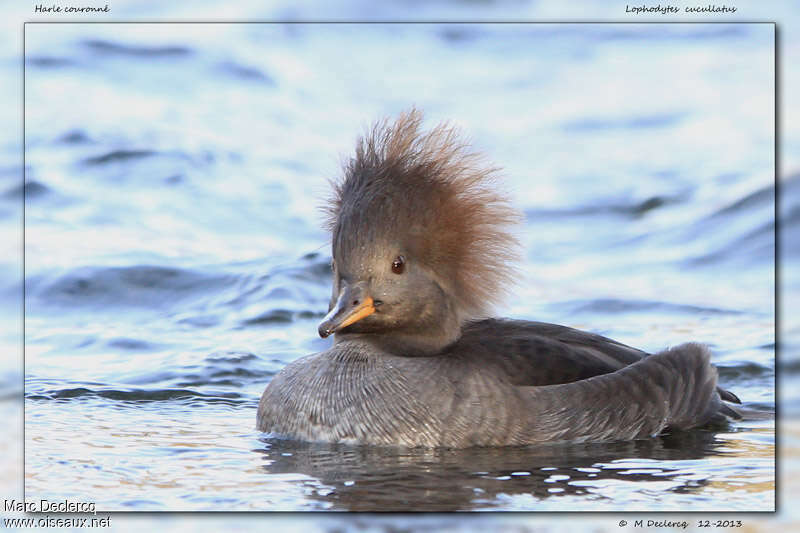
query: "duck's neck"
408, 344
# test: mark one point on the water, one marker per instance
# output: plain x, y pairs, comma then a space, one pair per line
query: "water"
175, 263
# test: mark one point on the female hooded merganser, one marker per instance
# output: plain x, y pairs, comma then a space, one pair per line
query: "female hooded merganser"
421, 250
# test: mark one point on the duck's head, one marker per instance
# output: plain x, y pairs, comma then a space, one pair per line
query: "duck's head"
420, 239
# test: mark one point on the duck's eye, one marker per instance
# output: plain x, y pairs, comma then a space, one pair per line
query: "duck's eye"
399, 264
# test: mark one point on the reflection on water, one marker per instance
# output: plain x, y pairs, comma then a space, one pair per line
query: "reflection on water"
571, 477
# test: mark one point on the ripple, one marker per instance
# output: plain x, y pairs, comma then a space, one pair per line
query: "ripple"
633, 209
112, 48
765, 195
124, 343
246, 73
201, 321
281, 316
141, 285
31, 190
231, 357
661, 120
139, 395
115, 156
49, 61
744, 230
790, 367
742, 370
614, 305
74, 137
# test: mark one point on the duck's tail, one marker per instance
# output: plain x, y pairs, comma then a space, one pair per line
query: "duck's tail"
693, 396
675, 389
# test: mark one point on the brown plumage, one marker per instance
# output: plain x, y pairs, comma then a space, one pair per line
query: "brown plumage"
422, 249
440, 197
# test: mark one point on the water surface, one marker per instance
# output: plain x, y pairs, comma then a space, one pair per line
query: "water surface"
175, 261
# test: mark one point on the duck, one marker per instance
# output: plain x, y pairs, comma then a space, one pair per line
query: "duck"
423, 248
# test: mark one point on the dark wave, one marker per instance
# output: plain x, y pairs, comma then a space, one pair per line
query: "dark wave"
204, 298
228, 370
699, 32
74, 137
790, 367
756, 246
219, 371
614, 305
765, 195
632, 209
743, 370
234, 358
574, 34
281, 316
789, 229
132, 50
142, 285
245, 73
458, 34
746, 227
31, 190
297, 291
118, 156
49, 61
10, 386
201, 321
141, 395
637, 122
313, 267
124, 343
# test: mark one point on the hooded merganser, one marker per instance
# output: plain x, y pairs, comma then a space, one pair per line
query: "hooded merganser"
421, 250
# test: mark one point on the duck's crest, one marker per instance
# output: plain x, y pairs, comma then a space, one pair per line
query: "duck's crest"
428, 193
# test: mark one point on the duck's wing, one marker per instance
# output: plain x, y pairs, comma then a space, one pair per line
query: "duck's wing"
671, 389
538, 353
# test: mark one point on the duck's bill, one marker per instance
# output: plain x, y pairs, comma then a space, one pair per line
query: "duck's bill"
349, 309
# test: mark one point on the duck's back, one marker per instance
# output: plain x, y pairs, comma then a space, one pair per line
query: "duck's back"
537, 354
